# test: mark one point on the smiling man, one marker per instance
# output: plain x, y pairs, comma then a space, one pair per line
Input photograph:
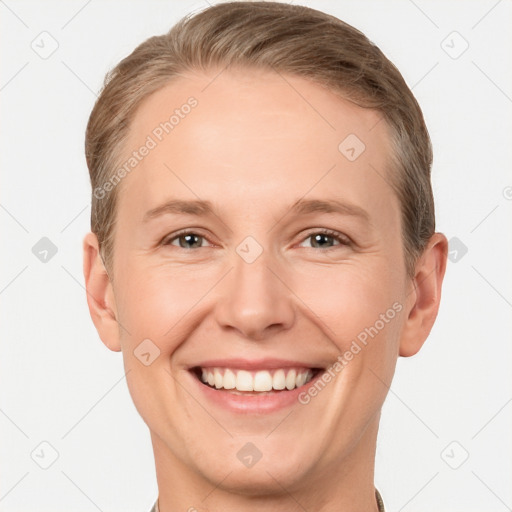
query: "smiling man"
262, 250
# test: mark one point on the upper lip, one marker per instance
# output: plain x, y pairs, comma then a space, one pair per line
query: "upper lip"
254, 364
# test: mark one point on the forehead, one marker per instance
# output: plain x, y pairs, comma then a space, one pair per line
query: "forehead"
250, 137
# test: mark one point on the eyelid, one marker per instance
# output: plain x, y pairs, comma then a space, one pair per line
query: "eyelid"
167, 239
339, 236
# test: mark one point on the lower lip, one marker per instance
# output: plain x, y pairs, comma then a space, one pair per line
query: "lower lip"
261, 403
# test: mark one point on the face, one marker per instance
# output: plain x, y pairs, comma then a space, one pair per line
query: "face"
258, 244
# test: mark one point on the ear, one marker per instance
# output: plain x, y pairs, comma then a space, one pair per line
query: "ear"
424, 295
100, 294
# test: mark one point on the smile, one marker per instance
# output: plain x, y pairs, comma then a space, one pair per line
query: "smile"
278, 379
256, 386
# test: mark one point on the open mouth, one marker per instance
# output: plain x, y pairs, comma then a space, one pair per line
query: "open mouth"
243, 382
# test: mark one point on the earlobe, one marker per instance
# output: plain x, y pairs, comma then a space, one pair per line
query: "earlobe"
100, 296
425, 295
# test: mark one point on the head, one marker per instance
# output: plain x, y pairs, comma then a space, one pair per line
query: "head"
261, 195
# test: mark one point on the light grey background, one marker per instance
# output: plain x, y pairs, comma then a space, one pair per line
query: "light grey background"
60, 385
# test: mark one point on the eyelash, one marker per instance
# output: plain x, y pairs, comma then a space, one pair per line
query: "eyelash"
339, 237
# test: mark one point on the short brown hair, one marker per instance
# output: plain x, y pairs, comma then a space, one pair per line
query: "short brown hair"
286, 38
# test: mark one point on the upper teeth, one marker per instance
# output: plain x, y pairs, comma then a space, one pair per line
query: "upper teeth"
264, 380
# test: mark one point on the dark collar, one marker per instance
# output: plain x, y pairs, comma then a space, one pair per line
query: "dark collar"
380, 503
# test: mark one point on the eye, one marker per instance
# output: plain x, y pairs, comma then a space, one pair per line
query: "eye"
186, 240
320, 239
323, 238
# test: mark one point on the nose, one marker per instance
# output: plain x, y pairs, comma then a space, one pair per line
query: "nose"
255, 300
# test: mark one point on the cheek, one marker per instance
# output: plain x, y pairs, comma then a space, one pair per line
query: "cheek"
349, 299
158, 302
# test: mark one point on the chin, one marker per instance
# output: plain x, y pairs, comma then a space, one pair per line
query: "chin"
267, 476
265, 481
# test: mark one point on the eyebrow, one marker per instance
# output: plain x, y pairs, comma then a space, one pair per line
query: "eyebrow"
300, 207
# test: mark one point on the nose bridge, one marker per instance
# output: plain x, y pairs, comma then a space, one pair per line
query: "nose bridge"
254, 300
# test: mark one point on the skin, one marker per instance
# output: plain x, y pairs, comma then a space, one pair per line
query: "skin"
253, 146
